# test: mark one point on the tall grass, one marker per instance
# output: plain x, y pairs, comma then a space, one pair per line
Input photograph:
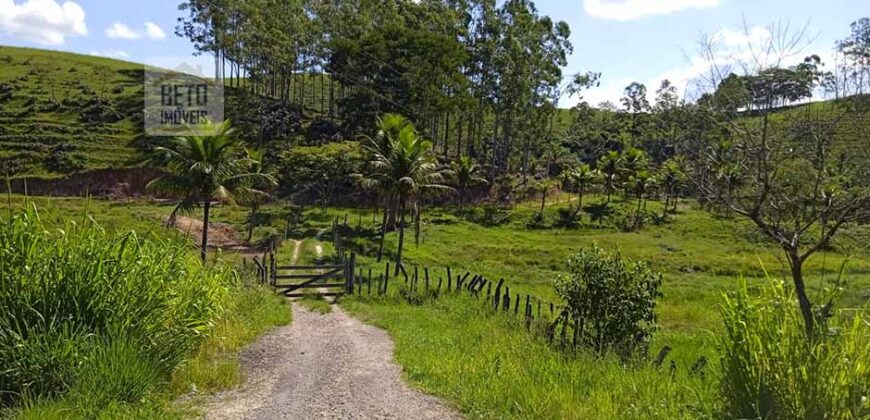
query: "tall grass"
772, 370
103, 316
488, 366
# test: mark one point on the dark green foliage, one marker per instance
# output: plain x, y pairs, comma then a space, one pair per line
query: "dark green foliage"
63, 159
611, 301
537, 220
567, 217
7, 90
492, 215
320, 174
99, 111
262, 120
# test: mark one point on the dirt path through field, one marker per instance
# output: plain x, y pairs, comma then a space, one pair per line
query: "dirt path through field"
329, 366
220, 235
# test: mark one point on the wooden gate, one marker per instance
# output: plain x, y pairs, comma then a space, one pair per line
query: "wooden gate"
325, 280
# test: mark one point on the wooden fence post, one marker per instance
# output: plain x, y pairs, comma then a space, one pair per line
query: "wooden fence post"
497, 295
352, 271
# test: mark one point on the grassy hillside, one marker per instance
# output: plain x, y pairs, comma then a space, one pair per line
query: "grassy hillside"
60, 112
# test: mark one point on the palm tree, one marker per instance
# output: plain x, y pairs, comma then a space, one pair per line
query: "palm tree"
405, 170
673, 178
390, 127
633, 161
255, 196
582, 176
199, 169
610, 164
466, 174
543, 186
642, 182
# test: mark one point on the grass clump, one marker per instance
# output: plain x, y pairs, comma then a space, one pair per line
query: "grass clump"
772, 369
101, 318
249, 312
315, 303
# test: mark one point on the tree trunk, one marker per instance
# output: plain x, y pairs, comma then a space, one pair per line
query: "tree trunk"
543, 201
416, 223
800, 289
251, 221
637, 212
391, 213
579, 201
383, 235
401, 234
203, 252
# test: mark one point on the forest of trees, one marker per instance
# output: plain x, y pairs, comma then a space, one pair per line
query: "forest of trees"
479, 78
472, 87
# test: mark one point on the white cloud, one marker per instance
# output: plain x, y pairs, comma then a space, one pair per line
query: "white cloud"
635, 9
42, 21
154, 31
110, 53
740, 51
119, 30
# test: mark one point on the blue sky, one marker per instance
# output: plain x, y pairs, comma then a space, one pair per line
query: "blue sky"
626, 40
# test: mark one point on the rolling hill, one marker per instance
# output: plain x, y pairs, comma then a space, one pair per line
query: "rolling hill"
61, 112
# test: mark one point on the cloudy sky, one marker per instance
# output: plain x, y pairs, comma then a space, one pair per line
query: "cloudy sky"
625, 40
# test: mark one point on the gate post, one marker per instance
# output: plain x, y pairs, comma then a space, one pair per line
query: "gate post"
350, 267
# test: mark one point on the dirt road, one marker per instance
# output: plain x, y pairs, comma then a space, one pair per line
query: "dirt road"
329, 366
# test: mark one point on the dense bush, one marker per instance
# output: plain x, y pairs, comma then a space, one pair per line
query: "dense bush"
6, 92
610, 300
320, 174
98, 111
88, 312
62, 161
772, 370
262, 120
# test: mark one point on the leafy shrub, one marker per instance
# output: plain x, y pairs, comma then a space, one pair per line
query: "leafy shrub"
263, 120
537, 221
6, 92
320, 131
611, 301
772, 370
70, 290
64, 162
99, 111
493, 215
566, 217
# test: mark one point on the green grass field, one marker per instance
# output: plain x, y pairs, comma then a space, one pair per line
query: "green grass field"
700, 255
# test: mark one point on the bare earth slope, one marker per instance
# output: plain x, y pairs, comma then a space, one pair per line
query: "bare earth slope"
329, 366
